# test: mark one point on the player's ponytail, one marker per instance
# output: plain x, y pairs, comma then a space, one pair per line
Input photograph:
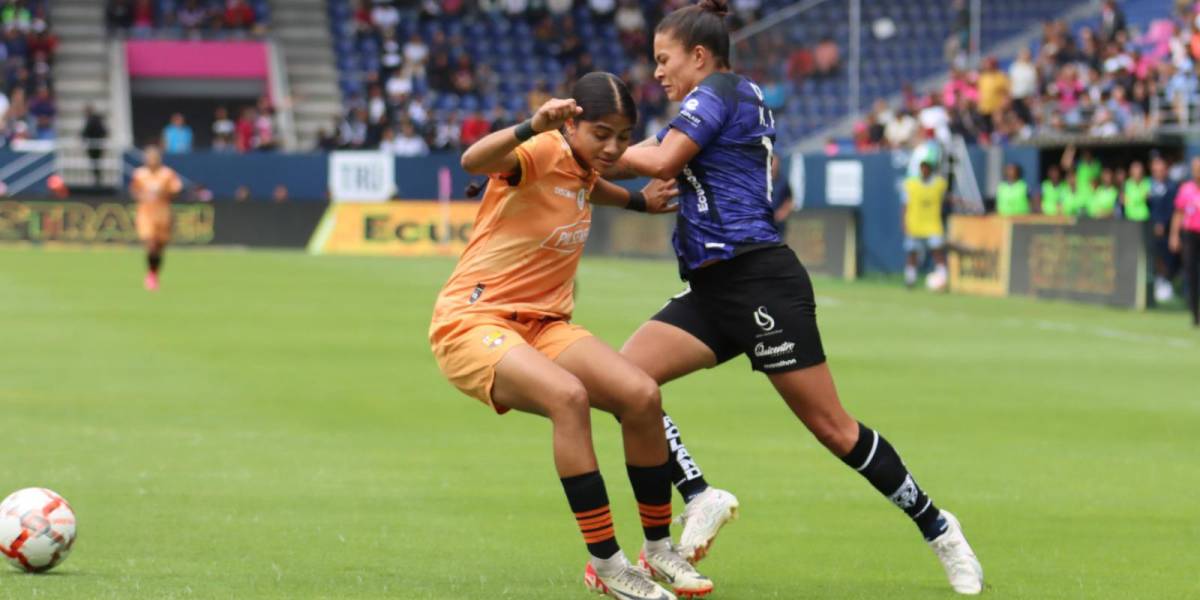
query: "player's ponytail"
701, 24
601, 94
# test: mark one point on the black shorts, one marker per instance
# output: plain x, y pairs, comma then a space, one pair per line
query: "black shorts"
759, 304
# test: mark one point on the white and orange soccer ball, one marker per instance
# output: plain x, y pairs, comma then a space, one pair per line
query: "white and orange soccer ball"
37, 529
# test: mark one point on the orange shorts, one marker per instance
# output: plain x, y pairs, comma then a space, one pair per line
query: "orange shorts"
469, 347
154, 225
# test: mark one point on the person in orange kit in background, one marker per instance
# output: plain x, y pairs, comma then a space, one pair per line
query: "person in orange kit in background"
153, 186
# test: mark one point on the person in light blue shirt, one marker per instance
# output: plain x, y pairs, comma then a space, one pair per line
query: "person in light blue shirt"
177, 136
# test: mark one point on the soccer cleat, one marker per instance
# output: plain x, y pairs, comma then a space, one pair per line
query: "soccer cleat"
151, 282
962, 568
702, 519
671, 568
630, 583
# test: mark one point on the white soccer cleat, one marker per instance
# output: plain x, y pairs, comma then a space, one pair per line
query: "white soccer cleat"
962, 568
671, 568
630, 583
702, 520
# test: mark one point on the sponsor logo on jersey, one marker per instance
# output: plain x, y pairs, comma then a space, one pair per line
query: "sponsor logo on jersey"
581, 198
701, 195
568, 238
494, 339
476, 294
762, 349
764, 320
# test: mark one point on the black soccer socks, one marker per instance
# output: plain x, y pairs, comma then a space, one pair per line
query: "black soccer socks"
652, 489
589, 502
685, 473
875, 459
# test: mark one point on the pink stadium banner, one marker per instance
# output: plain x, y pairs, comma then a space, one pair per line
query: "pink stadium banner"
196, 60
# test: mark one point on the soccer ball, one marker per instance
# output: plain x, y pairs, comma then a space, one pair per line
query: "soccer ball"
37, 529
936, 281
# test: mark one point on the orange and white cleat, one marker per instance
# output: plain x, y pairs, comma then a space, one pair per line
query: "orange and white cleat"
151, 282
668, 567
628, 583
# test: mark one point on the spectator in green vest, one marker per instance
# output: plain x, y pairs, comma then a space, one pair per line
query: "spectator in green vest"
1074, 199
1054, 189
1102, 204
1086, 170
1134, 200
1012, 195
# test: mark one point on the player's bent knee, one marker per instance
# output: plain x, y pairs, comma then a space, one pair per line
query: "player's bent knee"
643, 400
569, 401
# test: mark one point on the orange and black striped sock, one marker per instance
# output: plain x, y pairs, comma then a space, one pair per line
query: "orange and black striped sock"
589, 501
652, 488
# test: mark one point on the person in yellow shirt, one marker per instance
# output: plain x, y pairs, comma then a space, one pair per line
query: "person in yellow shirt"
993, 87
154, 185
922, 222
501, 330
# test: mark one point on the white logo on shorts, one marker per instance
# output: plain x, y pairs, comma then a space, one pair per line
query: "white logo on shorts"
762, 349
764, 320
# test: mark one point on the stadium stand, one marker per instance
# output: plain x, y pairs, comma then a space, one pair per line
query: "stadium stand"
1104, 77
27, 101
490, 63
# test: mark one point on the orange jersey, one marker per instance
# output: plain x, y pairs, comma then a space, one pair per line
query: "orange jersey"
528, 238
154, 188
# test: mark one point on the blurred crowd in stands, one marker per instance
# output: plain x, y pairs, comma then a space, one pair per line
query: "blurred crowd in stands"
395, 112
245, 129
187, 18
1100, 82
27, 103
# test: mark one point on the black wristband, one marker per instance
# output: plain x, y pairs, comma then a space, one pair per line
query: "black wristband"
637, 202
524, 131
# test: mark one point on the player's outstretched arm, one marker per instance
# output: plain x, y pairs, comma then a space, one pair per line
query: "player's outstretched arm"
665, 161
495, 152
622, 171
656, 197
1174, 242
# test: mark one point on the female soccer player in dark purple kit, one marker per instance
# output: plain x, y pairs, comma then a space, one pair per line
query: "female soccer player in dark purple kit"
747, 292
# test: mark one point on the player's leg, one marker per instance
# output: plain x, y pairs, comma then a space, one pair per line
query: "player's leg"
1191, 265
937, 249
679, 340
770, 307
490, 361
617, 386
812, 396
911, 260
528, 381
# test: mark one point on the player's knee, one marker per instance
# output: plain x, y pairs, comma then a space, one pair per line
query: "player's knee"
644, 400
569, 401
838, 436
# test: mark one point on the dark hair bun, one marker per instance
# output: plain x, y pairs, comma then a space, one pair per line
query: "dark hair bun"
720, 7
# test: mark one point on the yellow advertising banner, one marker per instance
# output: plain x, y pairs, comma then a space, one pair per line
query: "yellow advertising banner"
979, 257
402, 228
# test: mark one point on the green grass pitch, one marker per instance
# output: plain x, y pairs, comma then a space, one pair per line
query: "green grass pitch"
272, 425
